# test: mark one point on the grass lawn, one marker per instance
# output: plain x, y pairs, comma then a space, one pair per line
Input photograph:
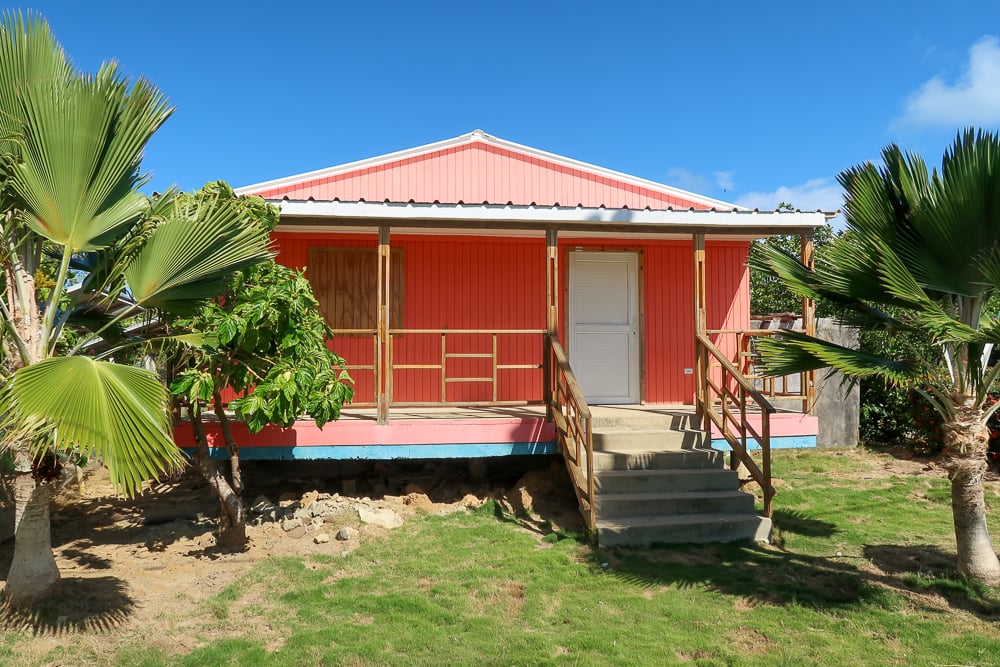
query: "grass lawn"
861, 573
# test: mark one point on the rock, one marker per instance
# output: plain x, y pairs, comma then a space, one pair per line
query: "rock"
316, 522
321, 508
296, 533
321, 538
380, 517
346, 533
291, 524
309, 497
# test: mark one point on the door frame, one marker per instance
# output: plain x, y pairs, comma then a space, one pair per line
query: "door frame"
571, 248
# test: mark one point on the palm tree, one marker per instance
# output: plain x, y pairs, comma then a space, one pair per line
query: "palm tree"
920, 259
70, 152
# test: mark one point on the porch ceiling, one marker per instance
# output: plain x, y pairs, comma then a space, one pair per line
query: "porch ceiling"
511, 220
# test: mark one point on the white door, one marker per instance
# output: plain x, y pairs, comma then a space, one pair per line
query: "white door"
603, 325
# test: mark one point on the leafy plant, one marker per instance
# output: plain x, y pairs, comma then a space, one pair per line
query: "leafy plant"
267, 341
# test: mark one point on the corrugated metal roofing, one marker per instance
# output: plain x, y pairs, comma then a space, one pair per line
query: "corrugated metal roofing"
479, 168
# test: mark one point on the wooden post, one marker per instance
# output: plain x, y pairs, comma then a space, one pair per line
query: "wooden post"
551, 280
551, 314
700, 328
384, 360
808, 324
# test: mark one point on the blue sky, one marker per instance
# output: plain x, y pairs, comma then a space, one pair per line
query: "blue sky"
751, 102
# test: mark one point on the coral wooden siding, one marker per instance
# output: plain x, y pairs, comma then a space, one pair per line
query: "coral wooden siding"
475, 173
499, 283
461, 283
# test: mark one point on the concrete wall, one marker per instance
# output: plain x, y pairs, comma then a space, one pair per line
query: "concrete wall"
838, 405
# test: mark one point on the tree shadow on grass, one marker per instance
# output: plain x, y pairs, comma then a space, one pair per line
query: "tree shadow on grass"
928, 570
768, 575
792, 521
76, 605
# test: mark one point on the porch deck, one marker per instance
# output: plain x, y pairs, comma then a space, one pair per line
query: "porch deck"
460, 432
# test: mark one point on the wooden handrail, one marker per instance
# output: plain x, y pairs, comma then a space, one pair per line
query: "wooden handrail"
772, 387
715, 405
572, 385
571, 415
730, 368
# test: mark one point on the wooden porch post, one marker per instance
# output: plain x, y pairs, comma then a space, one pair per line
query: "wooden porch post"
808, 323
383, 343
551, 312
700, 328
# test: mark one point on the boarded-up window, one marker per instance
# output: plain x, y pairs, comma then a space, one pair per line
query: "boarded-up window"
345, 282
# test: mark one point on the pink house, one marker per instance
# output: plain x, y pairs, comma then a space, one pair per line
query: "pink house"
489, 296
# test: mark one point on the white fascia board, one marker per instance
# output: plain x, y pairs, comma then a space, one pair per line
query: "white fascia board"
388, 211
479, 135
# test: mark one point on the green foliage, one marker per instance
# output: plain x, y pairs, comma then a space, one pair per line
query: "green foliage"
269, 342
768, 294
918, 265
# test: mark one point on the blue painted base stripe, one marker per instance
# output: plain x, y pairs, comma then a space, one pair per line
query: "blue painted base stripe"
781, 442
385, 452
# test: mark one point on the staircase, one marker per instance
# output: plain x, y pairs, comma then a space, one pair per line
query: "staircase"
657, 480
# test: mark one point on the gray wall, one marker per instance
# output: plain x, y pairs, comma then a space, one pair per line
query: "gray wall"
838, 405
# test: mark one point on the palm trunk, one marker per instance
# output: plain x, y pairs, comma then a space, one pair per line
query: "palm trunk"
967, 439
33, 571
232, 517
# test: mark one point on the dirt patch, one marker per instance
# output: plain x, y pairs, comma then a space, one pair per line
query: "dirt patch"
753, 641
132, 568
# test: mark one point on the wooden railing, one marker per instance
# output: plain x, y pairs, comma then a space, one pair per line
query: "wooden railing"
569, 412
795, 387
724, 397
445, 355
385, 367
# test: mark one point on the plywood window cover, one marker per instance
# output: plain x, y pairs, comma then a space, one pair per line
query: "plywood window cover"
345, 282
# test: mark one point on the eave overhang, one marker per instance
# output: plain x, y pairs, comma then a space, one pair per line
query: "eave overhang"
511, 220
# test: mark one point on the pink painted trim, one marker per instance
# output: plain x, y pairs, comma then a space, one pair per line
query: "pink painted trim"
403, 432
783, 424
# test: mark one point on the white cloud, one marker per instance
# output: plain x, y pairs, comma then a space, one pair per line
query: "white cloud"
819, 193
687, 180
974, 99
724, 179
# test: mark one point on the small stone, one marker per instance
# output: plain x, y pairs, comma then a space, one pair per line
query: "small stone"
321, 538
380, 517
346, 533
296, 533
291, 524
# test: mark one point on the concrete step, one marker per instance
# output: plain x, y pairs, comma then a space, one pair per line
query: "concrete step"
652, 481
603, 417
658, 460
635, 439
684, 529
618, 505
